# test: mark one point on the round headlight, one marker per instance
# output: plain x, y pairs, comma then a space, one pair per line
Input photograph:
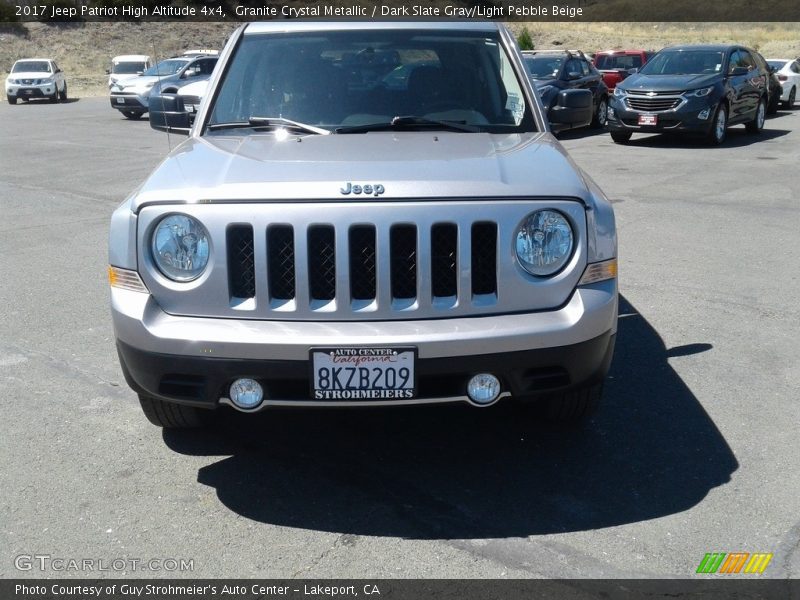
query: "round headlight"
180, 247
544, 242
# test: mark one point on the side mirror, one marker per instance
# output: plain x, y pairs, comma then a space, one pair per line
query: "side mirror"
108, 71
633, 71
139, 72
573, 108
738, 71
573, 75
168, 114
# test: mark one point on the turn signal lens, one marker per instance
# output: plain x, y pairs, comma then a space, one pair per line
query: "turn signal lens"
599, 271
126, 279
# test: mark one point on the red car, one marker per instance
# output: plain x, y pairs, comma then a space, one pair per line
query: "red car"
615, 65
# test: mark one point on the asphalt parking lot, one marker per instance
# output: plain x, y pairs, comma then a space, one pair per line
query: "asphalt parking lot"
693, 451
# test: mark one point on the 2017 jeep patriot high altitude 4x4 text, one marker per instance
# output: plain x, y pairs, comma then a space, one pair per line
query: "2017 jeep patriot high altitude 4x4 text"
365, 214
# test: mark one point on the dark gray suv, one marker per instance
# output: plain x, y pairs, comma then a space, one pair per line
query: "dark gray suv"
701, 89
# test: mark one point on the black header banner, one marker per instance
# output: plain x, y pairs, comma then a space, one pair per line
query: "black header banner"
704, 588
503, 10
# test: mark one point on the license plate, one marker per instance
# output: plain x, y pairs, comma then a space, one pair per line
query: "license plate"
648, 119
363, 373
120, 100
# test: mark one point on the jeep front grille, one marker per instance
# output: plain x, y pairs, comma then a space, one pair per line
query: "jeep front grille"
402, 253
371, 260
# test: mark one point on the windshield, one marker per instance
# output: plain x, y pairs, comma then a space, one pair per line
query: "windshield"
618, 61
544, 67
342, 79
166, 67
685, 62
31, 66
127, 68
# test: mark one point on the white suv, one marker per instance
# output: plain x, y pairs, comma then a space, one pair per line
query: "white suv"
36, 78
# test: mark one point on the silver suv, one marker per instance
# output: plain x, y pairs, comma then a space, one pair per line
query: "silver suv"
365, 214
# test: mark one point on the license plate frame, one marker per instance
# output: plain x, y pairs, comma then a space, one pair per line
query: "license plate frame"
648, 120
345, 385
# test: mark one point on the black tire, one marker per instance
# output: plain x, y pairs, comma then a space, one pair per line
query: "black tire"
774, 103
172, 416
573, 406
757, 124
54, 98
63, 95
719, 130
12, 99
601, 114
132, 114
792, 96
621, 137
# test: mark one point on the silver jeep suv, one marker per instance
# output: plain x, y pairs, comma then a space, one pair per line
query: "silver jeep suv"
364, 214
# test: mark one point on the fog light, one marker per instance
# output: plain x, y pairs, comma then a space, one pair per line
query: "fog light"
703, 114
611, 114
483, 389
246, 393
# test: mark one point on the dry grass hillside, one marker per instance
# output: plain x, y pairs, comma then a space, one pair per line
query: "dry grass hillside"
83, 50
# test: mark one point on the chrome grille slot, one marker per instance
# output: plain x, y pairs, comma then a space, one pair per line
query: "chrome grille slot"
280, 262
363, 283
484, 258
241, 262
403, 250
444, 260
321, 262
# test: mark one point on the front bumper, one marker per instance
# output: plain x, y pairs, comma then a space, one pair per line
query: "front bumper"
695, 115
129, 102
43, 90
193, 360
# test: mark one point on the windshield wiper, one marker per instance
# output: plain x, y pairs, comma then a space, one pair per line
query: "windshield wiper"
410, 122
273, 122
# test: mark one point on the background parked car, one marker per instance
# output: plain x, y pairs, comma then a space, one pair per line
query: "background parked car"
774, 90
692, 89
788, 73
616, 65
127, 66
131, 97
199, 69
192, 95
36, 78
552, 71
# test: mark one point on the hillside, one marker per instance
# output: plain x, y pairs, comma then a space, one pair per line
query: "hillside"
84, 50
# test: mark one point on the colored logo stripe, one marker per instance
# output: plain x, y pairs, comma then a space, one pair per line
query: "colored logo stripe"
758, 562
711, 562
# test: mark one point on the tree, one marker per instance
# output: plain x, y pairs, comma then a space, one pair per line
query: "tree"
525, 40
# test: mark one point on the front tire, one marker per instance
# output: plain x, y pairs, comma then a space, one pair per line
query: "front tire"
757, 124
621, 137
574, 406
172, 416
63, 95
719, 126
11, 99
132, 114
601, 114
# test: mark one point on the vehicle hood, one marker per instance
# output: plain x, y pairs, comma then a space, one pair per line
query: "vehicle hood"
140, 81
258, 167
30, 75
668, 83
